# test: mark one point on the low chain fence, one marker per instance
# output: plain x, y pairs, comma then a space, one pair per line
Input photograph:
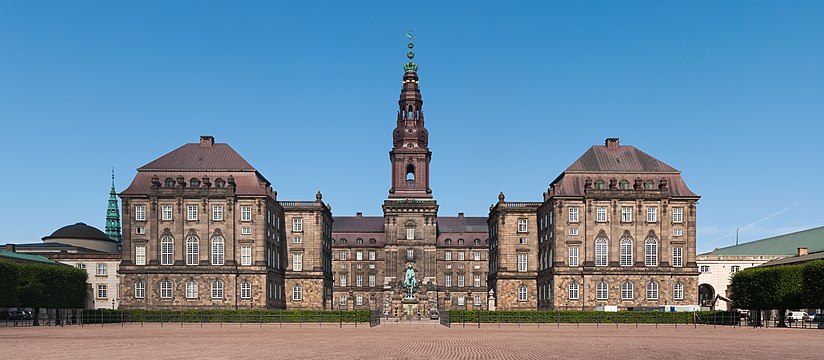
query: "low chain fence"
557, 317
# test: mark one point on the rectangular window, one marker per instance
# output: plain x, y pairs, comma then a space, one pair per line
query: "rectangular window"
140, 213
342, 255
735, 268
601, 214
140, 230
342, 280
245, 213
246, 230
191, 290
476, 255
677, 215
297, 240
476, 281
573, 231
245, 290
140, 255
101, 269
371, 266
372, 255
166, 212
139, 290
102, 291
371, 280
447, 280
460, 280
522, 258
245, 255
573, 214
573, 291
447, 255
359, 255
677, 256
217, 213
573, 256
461, 300
297, 262
677, 232
410, 234
217, 251
410, 254
522, 241
705, 268
80, 266
522, 225
191, 212
460, 255
342, 300
217, 290
358, 280
626, 214
359, 300
477, 299
652, 215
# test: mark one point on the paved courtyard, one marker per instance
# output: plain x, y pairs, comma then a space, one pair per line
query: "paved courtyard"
408, 341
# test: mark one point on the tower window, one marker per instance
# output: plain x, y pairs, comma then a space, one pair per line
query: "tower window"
410, 175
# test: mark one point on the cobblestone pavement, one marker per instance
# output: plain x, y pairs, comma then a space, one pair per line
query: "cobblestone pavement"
424, 340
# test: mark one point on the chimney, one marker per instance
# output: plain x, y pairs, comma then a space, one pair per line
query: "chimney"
358, 215
207, 141
460, 215
801, 251
611, 142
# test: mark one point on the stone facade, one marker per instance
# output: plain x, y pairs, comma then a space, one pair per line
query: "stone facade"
513, 249
309, 254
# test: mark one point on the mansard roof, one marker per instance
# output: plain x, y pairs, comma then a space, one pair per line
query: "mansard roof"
357, 224
621, 162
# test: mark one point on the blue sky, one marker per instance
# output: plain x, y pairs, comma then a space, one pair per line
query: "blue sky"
729, 92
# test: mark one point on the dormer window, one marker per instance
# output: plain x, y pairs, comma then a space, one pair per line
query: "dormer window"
648, 185
599, 185
170, 183
219, 183
624, 185
194, 183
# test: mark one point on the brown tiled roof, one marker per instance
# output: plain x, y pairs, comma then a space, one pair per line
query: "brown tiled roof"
621, 159
573, 184
357, 224
352, 239
459, 224
247, 183
198, 157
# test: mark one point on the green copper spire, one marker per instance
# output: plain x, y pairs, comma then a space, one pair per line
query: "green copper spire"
410, 66
113, 216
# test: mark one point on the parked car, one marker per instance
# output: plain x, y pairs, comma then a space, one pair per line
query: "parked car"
819, 318
796, 316
809, 317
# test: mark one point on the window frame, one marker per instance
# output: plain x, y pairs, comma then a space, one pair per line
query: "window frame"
192, 252
166, 291
652, 290
573, 214
651, 252
601, 290
191, 291
217, 290
677, 256
573, 254
245, 255
626, 214
627, 290
626, 259
573, 291
140, 213
166, 212
599, 211
191, 212
246, 290
245, 213
140, 255
218, 251
140, 290
601, 252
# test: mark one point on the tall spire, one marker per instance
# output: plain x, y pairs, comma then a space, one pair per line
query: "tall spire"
113, 216
410, 153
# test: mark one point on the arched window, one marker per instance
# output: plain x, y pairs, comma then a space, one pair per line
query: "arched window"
167, 246
372, 241
219, 183
678, 291
624, 185
343, 240
410, 175
626, 252
522, 294
191, 289
217, 250
217, 289
139, 290
448, 241
573, 291
410, 231
477, 241
651, 252
648, 185
245, 290
165, 289
626, 290
194, 183
600, 252
192, 251
359, 241
599, 185
170, 183
652, 290
297, 293
601, 290
460, 241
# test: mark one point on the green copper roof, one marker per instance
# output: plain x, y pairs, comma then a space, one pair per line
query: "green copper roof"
410, 66
113, 216
25, 257
787, 244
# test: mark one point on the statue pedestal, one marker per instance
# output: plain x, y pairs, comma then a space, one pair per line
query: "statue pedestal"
410, 308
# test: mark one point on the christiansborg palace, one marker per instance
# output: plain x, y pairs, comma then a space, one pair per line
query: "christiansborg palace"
202, 228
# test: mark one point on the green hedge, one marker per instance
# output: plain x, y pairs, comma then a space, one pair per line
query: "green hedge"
775, 287
227, 316
813, 289
567, 316
42, 286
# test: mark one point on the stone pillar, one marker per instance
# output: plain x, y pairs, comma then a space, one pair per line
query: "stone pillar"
491, 300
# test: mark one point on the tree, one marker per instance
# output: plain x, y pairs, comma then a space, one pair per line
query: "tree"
776, 287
